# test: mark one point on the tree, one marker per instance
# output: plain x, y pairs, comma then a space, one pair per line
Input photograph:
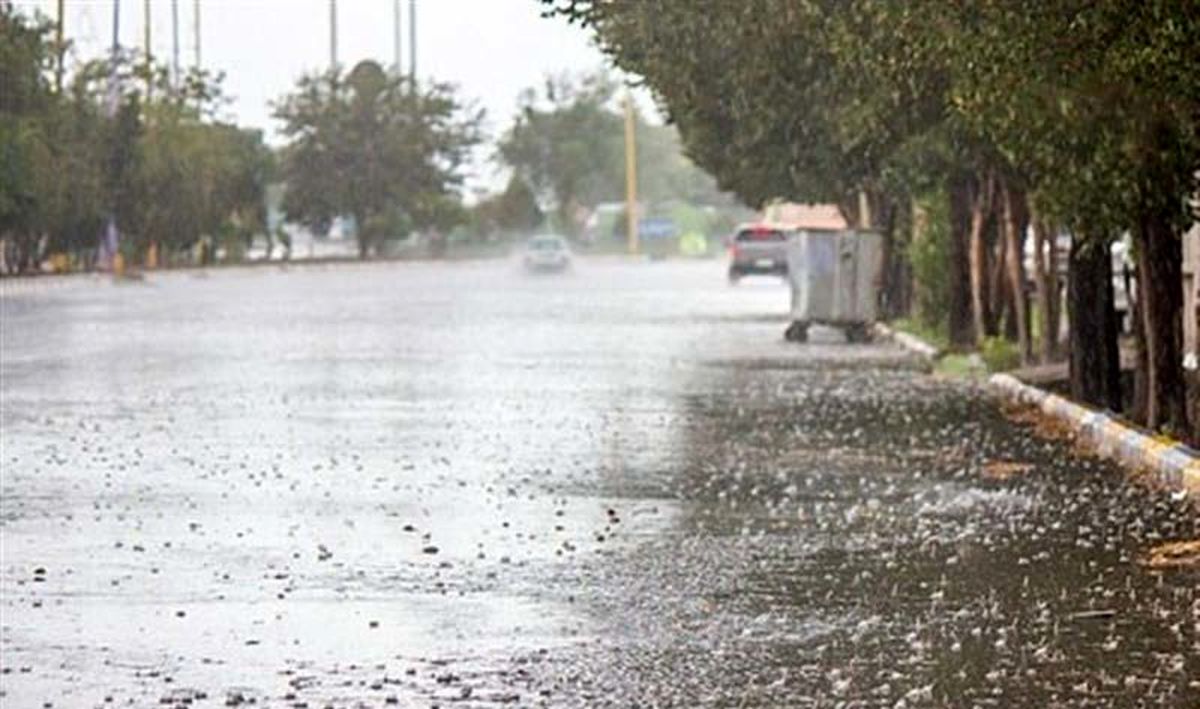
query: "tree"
121, 140
1075, 113
764, 102
26, 96
1097, 104
513, 211
567, 142
369, 145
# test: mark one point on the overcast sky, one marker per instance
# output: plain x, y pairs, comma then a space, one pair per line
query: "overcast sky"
490, 48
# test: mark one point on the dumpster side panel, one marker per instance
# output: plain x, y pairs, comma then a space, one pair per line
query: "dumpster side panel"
845, 306
797, 264
813, 272
834, 276
869, 272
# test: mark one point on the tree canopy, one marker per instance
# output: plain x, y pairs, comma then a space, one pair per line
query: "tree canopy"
1079, 113
371, 145
567, 142
151, 154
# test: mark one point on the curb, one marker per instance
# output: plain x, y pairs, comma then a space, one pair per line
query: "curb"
913, 344
1172, 464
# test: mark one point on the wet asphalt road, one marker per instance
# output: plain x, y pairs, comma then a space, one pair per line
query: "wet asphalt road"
458, 485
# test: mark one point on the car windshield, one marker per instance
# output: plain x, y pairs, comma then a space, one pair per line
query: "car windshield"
761, 234
548, 244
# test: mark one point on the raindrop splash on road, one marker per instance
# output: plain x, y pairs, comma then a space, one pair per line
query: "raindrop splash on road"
433, 483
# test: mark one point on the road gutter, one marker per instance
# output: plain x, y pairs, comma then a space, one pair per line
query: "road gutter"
909, 342
1168, 462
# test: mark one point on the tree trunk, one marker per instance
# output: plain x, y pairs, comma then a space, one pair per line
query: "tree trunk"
958, 269
1160, 286
1015, 218
980, 204
361, 236
1141, 368
1007, 318
1055, 283
1095, 366
894, 278
1046, 289
997, 287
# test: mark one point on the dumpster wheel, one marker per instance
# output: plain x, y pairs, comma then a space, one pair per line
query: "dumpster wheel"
858, 333
796, 332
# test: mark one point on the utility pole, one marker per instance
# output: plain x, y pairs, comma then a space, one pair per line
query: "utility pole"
59, 48
116, 55
396, 13
110, 240
333, 58
196, 31
412, 44
631, 215
146, 44
175, 45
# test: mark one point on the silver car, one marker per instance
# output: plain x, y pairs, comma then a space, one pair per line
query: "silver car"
758, 249
546, 252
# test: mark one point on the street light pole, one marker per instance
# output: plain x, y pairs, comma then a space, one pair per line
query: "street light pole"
59, 49
196, 30
631, 216
396, 22
115, 57
333, 48
110, 239
149, 57
175, 45
412, 44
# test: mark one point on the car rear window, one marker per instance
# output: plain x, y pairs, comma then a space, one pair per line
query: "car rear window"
761, 234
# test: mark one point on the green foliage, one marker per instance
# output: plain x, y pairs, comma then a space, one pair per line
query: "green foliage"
567, 142
961, 366
369, 143
1086, 109
514, 211
1091, 104
999, 354
755, 91
150, 153
933, 334
24, 143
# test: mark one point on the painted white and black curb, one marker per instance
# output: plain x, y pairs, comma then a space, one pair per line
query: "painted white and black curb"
1173, 464
913, 344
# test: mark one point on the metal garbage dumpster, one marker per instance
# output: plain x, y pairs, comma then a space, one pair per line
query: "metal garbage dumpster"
834, 275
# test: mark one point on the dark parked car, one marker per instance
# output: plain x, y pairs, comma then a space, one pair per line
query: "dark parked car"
758, 249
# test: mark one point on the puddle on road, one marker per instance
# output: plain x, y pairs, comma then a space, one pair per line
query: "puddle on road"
404, 642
